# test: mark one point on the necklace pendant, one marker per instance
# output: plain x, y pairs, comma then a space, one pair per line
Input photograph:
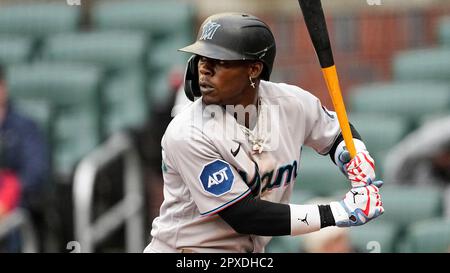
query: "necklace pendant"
257, 147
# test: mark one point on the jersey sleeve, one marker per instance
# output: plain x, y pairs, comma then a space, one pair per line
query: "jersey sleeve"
213, 183
321, 125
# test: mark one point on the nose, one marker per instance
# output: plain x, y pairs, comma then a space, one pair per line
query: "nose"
205, 67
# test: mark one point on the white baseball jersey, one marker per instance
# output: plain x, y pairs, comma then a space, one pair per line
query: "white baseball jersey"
210, 163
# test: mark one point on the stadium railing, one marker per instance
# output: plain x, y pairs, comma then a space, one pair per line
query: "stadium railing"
128, 211
20, 219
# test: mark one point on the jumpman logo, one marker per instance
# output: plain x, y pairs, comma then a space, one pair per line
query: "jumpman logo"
304, 220
355, 193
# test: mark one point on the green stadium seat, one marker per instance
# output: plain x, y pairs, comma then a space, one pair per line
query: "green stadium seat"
407, 204
411, 100
169, 24
430, 236
111, 49
75, 136
124, 100
39, 19
158, 55
444, 32
318, 174
120, 53
375, 237
65, 85
73, 92
379, 132
159, 18
15, 49
422, 65
159, 88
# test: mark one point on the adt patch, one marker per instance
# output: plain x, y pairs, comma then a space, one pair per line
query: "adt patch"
217, 177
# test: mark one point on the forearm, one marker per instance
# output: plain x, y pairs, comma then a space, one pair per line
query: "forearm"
264, 218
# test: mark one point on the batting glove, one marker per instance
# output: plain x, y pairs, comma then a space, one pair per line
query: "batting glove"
359, 206
360, 170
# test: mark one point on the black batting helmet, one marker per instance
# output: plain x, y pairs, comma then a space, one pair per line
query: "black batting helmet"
230, 36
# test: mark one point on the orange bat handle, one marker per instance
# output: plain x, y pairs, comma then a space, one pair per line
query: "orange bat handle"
331, 78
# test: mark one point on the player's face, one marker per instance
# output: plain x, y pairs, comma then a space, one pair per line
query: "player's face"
225, 82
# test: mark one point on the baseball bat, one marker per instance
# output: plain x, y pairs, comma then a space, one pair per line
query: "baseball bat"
317, 28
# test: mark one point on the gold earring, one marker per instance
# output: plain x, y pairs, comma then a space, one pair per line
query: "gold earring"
251, 82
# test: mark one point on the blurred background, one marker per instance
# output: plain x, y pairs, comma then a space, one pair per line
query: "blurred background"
91, 85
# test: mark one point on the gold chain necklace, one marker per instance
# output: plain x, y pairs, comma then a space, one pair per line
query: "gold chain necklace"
255, 138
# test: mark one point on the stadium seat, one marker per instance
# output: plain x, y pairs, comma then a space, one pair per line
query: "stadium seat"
422, 65
39, 19
430, 236
75, 136
408, 99
444, 32
124, 101
379, 132
407, 204
73, 92
158, 55
120, 53
65, 85
111, 50
159, 18
159, 88
318, 175
375, 236
169, 24
15, 49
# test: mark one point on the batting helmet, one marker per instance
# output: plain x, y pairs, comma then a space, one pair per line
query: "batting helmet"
230, 36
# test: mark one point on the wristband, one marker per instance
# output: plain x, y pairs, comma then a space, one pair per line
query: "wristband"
359, 146
304, 219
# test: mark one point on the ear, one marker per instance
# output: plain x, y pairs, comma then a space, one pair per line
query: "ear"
255, 69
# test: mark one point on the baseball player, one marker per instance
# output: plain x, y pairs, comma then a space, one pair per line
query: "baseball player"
230, 159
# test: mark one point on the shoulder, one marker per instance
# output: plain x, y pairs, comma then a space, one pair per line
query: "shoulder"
287, 94
186, 128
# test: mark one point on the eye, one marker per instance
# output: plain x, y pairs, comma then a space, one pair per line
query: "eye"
225, 64
211, 62
203, 60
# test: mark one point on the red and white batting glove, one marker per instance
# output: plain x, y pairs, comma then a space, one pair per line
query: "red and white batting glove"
361, 169
359, 206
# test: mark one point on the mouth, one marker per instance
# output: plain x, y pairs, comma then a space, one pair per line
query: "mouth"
206, 88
